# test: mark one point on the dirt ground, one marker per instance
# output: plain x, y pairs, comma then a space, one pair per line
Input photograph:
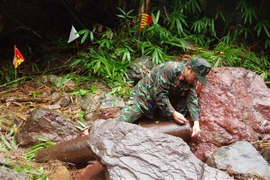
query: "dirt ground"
15, 107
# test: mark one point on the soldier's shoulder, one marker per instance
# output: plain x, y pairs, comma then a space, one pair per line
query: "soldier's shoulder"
172, 63
175, 66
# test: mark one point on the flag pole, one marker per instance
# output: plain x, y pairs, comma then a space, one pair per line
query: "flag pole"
14, 61
77, 44
15, 73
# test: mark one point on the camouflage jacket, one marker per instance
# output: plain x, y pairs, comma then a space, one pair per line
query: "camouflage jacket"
164, 86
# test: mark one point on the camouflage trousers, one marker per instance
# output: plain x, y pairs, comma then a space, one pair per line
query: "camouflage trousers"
132, 111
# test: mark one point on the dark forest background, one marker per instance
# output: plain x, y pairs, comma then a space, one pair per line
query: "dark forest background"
227, 32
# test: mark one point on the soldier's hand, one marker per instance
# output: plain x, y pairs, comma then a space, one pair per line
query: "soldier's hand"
196, 129
179, 118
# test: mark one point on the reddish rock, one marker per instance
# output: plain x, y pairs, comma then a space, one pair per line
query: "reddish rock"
107, 113
235, 106
94, 171
59, 173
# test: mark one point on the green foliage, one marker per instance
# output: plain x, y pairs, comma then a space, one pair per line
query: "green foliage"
189, 27
262, 25
177, 21
157, 53
36, 94
248, 13
230, 55
7, 74
81, 126
82, 92
61, 82
61, 42
202, 26
5, 144
8, 145
86, 33
193, 6
30, 153
32, 172
121, 91
8, 142
125, 53
127, 16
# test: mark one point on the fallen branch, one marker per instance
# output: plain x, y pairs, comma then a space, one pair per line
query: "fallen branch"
9, 90
12, 82
17, 114
78, 151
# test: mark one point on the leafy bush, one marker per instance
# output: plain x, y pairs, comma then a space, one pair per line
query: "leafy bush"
185, 30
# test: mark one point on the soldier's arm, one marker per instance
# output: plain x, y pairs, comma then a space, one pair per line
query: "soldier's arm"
194, 111
192, 104
163, 80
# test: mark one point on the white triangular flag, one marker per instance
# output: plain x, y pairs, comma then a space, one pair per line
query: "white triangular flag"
73, 34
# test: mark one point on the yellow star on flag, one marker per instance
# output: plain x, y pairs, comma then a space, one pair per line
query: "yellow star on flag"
18, 58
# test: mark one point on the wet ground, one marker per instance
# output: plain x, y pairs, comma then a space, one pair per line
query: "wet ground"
15, 107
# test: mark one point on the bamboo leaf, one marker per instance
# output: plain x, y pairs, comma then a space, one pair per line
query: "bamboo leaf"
6, 143
84, 37
266, 30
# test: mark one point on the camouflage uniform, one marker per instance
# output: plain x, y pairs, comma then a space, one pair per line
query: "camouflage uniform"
163, 88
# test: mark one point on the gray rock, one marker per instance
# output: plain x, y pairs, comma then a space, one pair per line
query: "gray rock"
64, 100
90, 101
266, 154
48, 124
8, 174
109, 101
55, 82
241, 157
101, 106
131, 152
139, 68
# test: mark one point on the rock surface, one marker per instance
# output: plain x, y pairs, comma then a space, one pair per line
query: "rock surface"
48, 124
242, 158
101, 106
235, 106
139, 68
8, 174
133, 152
95, 171
266, 154
59, 173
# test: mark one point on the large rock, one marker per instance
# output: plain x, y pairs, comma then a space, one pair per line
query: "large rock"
131, 152
242, 158
235, 106
48, 124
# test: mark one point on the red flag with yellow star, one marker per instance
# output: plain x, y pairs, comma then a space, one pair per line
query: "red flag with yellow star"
18, 58
145, 20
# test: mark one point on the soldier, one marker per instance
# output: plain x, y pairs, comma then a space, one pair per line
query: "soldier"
169, 87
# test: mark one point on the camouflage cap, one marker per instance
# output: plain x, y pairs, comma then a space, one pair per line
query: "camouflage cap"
201, 67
